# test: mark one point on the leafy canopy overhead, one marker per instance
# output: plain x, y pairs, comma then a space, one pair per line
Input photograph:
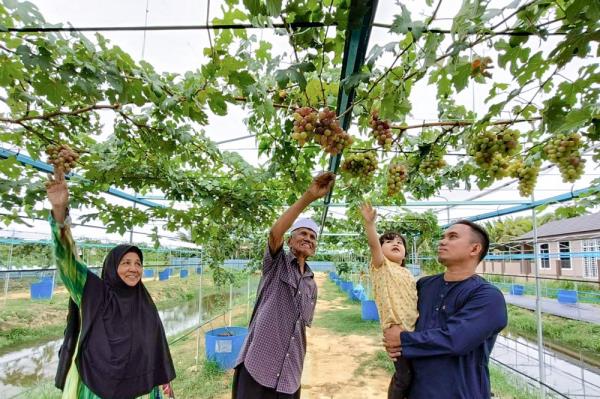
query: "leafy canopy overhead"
53, 87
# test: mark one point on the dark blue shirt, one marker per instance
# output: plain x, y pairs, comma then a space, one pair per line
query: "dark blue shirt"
454, 336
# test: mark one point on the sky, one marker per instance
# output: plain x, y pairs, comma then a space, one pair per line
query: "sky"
180, 51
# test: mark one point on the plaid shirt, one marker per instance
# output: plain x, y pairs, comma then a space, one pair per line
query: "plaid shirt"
274, 350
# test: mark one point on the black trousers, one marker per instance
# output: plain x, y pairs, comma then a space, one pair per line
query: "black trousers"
400, 383
245, 387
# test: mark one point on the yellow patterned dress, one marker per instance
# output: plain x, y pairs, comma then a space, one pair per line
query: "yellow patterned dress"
395, 292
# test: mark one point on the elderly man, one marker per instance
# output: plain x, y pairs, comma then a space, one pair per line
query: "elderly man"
460, 316
270, 364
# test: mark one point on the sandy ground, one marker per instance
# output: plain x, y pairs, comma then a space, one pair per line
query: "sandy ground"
332, 360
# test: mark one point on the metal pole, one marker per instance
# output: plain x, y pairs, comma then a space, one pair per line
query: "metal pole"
8, 266
135, 194
538, 304
199, 312
414, 250
248, 301
53, 283
230, 302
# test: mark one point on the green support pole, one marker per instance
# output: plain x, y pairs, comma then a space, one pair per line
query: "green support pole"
360, 23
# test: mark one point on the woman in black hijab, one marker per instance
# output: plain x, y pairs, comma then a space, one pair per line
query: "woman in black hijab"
115, 345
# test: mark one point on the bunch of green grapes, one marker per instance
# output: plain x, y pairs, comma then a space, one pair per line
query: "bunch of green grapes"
381, 131
397, 175
527, 173
305, 122
329, 134
492, 149
433, 161
361, 165
564, 150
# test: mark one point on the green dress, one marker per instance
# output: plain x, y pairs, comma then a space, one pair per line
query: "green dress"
73, 273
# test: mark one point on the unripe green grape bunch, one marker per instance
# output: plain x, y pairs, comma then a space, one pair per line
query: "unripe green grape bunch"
381, 131
322, 127
564, 150
527, 175
432, 163
397, 175
491, 150
360, 165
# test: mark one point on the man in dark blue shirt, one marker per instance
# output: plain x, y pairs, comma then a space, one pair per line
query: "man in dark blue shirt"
460, 315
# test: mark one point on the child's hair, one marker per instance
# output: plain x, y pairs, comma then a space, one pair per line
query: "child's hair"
391, 235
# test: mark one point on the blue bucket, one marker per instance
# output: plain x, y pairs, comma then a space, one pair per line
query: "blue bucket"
42, 289
199, 270
358, 293
148, 273
369, 310
348, 287
223, 345
164, 275
183, 273
516, 289
567, 296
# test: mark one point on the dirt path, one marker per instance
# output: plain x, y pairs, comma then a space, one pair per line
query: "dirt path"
330, 368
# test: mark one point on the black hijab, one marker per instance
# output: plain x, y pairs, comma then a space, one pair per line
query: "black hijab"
123, 351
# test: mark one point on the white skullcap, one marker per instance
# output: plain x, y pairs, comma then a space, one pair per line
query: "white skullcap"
305, 223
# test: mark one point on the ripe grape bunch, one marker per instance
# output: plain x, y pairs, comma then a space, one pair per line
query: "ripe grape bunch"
305, 121
62, 156
527, 175
397, 175
564, 150
491, 151
381, 131
362, 164
321, 126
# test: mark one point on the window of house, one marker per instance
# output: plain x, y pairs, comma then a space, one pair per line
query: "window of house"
564, 247
590, 263
544, 256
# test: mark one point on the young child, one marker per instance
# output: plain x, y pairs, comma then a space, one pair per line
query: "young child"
395, 292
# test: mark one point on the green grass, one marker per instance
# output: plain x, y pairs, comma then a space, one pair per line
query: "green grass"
378, 360
24, 322
571, 335
507, 386
348, 320
206, 381
44, 390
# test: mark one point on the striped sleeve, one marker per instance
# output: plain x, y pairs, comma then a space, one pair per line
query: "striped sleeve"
72, 271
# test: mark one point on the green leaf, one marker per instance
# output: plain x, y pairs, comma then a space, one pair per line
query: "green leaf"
402, 23
274, 7
254, 6
460, 77
262, 53
354, 80
241, 79
217, 103
575, 119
